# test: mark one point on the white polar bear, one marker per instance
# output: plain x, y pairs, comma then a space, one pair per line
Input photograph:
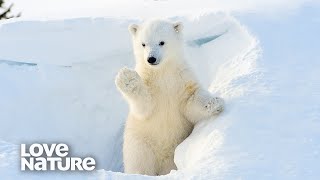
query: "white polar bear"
164, 97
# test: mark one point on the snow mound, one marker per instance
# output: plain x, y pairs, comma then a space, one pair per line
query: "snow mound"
57, 85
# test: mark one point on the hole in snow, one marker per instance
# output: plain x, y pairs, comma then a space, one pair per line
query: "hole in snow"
204, 40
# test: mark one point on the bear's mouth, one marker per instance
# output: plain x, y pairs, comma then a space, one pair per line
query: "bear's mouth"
154, 64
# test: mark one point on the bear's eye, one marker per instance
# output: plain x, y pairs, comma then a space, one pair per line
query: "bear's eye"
143, 44
161, 43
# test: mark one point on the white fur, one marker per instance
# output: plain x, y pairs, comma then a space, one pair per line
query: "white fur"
165, 99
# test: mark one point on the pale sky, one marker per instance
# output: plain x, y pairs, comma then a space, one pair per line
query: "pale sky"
60, 9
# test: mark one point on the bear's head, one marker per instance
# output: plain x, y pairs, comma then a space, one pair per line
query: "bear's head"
157, 42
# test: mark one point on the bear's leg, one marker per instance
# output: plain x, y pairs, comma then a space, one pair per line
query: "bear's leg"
167, 166
135, 92
202, 105
138, 158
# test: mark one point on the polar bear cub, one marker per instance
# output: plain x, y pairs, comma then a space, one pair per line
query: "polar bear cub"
164, 97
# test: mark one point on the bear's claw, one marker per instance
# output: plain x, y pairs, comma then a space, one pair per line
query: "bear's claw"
215, 105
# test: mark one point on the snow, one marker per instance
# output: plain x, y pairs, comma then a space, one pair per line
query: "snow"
61, 9
57, 85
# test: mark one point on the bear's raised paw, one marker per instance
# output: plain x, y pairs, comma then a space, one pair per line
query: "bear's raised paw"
128, 80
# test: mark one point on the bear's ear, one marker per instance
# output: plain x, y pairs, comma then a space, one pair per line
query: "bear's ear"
133, 28
178, 26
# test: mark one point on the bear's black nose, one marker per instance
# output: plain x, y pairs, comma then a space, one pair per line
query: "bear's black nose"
152, 60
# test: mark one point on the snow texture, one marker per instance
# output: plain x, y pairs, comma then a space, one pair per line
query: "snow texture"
57, 85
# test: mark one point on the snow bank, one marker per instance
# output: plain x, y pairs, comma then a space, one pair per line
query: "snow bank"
57, 79
57, 85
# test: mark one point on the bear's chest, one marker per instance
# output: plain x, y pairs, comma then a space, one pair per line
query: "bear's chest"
167, 90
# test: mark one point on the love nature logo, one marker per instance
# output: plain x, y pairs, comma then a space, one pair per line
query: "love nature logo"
44, 157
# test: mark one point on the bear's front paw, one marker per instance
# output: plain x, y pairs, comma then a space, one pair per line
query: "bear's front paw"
214, 106
128, 80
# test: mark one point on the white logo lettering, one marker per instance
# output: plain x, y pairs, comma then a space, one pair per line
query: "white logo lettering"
43, 157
